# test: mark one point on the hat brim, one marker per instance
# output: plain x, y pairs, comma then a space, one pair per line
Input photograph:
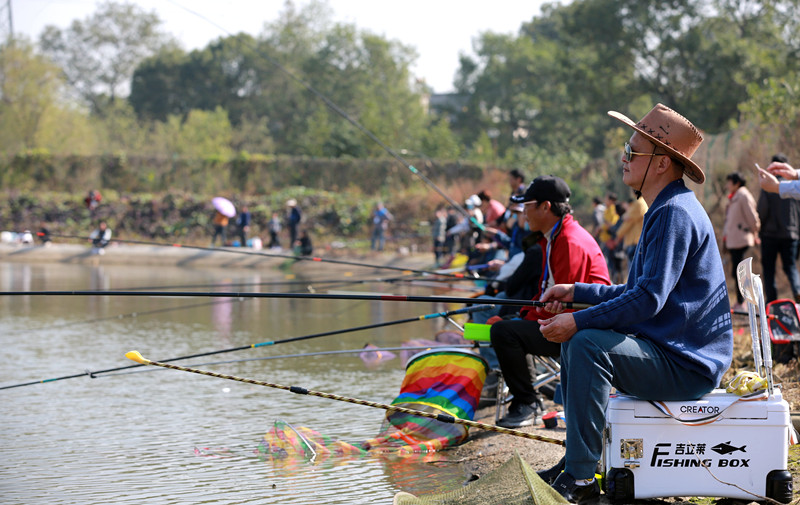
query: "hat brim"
690, 168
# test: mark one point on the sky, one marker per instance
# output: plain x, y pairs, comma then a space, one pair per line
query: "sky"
439, 29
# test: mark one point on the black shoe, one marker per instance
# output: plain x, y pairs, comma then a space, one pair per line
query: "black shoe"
583, 495
551, 474
521, 414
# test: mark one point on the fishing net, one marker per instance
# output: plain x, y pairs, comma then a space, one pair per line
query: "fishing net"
285, 441
447, 379
512, 483
439, 381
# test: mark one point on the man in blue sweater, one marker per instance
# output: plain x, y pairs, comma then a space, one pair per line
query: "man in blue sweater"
666, 334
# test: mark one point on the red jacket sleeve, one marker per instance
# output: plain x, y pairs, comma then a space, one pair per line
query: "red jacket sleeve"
575, 257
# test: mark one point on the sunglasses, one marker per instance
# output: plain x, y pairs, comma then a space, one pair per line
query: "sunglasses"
630, 154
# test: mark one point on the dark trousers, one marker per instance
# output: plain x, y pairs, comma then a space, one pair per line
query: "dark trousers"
786, 248
736, 257
512, 341
273, 239
219, 231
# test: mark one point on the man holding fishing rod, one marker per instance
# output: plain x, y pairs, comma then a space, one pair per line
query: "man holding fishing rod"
569, 254
666, 334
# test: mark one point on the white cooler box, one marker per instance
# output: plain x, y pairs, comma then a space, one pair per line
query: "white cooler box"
648, 454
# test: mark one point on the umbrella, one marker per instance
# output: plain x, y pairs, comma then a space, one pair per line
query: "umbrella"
224, 206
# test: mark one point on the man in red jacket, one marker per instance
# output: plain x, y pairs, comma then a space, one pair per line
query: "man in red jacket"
571, 255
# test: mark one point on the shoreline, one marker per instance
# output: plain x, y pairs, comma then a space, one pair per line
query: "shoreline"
203, 257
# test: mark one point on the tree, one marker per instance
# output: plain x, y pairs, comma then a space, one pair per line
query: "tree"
99, 54
699, 56
158, 87
31, 115
29, 84
202, 134
299, 77
440, 142
551, 85
774, 107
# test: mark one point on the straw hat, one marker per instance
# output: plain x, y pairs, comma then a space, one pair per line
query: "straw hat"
672, 132
291, 202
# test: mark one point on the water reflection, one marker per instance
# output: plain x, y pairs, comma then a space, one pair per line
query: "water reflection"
132, 438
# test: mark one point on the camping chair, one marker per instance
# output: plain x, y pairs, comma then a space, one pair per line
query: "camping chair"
546, 370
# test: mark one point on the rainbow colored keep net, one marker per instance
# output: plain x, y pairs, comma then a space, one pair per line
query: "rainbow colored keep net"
440, 380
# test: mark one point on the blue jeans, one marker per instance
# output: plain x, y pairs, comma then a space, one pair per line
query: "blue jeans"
378, 239
593, 361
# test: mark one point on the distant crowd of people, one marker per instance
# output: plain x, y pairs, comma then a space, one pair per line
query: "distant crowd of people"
299, 239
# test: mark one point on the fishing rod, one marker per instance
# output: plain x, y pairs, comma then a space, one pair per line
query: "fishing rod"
327, 101
91, 374
277, 255
306, 355
740, 313
409, 279
317, 296
444, 418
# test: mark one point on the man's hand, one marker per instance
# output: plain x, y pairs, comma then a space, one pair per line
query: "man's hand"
784, 170
494, 265
558, 328
554, 295
768, 182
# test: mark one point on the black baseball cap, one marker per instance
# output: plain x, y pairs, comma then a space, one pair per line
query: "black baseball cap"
545, 188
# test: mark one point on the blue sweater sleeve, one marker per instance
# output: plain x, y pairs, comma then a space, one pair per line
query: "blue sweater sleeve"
658, 264
789, 189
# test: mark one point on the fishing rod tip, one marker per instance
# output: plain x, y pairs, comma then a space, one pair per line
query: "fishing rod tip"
137, 357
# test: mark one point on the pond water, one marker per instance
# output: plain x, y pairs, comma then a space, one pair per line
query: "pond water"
156, 436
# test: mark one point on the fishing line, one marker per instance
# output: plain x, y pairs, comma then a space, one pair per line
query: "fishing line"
302, 355
278, 255
345, 116
444, 418
309, 284
125, 316
423, 317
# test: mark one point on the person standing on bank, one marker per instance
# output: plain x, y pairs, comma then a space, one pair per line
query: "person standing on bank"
220, 223
780, 226
243, 225
380, 222
666, 334
274, 227
741, 226
293, 218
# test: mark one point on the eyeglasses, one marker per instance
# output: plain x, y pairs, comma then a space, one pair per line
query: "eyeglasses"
630, 154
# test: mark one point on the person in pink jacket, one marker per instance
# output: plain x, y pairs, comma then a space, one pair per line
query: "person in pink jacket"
741, 225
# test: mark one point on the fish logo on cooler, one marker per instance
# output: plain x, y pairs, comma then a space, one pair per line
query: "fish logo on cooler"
726, 448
